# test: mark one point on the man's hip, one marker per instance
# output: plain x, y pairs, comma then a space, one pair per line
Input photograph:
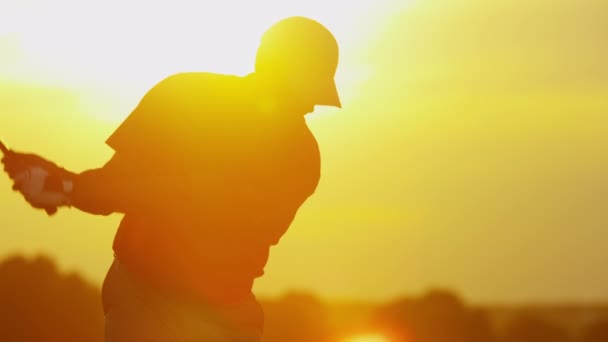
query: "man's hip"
136, 311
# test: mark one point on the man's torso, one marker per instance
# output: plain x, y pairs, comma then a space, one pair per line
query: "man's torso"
240, 176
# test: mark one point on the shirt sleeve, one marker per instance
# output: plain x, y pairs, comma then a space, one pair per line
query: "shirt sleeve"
123, 185
106, 190
134, 177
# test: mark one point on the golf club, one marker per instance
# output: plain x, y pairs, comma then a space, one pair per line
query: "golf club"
5, 151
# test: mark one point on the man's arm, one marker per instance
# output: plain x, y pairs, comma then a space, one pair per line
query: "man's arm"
102, 191
120, 185
128, 185
123, 183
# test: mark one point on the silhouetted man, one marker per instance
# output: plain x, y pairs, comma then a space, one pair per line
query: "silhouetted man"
209, 171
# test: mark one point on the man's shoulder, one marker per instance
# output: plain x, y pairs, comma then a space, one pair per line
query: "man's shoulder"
182, 103
199, 77
198, 82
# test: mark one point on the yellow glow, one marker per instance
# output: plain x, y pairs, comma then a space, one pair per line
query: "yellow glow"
117, 50
368, 338
471, 138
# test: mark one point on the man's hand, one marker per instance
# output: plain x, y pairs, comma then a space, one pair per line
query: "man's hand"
33, 185
42, 183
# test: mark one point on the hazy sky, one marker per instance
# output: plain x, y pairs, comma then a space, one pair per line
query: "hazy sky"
470, 153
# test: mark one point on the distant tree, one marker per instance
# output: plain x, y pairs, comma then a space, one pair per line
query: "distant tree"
37, 303
438, 316
297, 317
531, 329
596, 332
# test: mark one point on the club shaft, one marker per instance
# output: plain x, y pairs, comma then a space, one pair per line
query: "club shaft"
3, 148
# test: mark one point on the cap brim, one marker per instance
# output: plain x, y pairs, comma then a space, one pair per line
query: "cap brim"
330, 96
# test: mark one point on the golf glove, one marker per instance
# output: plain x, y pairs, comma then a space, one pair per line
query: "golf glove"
41, 190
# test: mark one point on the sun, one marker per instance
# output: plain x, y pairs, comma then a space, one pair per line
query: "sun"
368, 338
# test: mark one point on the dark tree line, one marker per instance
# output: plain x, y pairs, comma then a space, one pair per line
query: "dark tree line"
39, 303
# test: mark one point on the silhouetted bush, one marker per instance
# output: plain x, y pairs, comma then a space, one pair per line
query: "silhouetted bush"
297, 317
37, 303
437, 317
596, 332
531, 329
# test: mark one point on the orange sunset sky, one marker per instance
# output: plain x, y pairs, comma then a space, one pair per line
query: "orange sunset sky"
471, 152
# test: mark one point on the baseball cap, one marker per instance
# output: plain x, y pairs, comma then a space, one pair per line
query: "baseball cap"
304, 48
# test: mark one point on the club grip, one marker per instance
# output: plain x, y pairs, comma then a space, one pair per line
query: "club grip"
3, 148
50, 211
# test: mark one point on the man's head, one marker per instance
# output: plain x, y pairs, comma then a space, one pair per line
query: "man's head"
300, 55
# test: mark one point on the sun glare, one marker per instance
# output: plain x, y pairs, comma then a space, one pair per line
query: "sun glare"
368, 338
99, 49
